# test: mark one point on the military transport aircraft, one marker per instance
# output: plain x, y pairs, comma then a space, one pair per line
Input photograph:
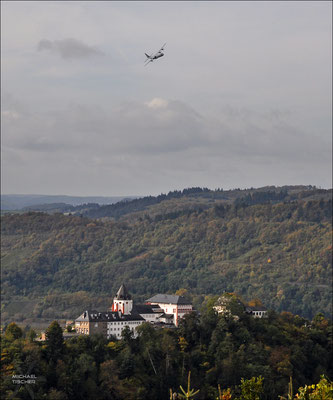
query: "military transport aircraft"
155, 56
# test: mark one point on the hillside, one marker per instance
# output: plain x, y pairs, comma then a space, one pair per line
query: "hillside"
280, 252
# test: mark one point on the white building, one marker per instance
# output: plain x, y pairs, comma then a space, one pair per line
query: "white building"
117, 325
110, 323
257, 312
150, 313
173, 306
161, 310
154, 313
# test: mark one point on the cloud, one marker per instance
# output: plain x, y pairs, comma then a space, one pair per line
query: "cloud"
157, 103
161, 126
160, 144
251, 83
69, 48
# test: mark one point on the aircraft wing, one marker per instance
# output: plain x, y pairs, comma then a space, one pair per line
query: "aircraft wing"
148, 61
162, 48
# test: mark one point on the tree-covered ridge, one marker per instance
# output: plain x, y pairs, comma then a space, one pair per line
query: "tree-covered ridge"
280, 253
190, 198
197, 197
247, 359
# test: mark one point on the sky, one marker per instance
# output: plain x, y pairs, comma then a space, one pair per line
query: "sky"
242, 97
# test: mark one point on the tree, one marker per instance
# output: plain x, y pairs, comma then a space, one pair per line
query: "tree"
251, 388
255, 303
113, 387
127, 335
55, 394
31, 335
190, 392
181, 292
189, 328
321, 391
13, 332
54, 341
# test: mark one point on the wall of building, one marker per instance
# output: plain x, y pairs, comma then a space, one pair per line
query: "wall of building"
125, 306
178, 310
115, 328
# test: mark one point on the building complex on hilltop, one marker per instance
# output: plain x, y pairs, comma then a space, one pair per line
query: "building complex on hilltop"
160, 310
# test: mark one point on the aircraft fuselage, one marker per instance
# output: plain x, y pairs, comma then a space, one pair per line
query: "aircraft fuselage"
158, 55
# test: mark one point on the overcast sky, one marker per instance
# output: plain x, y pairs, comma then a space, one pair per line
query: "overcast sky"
242, 97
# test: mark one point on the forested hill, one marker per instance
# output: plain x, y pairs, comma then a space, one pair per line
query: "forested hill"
190, 198
201, 198
279, 253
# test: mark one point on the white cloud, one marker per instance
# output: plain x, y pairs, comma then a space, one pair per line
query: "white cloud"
157, 103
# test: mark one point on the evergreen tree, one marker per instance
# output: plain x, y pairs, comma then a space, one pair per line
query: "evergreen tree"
54, 341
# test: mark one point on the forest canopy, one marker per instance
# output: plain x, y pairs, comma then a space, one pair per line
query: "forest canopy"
244, 359
260, 246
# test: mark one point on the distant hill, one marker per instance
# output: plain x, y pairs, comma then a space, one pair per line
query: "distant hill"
12, 202
203, 198
274, 244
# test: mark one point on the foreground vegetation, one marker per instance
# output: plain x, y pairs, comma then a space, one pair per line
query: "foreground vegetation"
245, 359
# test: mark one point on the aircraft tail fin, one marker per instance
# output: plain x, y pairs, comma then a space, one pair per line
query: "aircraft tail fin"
147, 55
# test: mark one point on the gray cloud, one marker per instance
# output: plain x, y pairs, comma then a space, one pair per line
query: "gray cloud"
161, 127
252, 82
69, 48
165, 142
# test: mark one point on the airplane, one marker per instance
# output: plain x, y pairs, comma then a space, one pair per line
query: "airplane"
155, 56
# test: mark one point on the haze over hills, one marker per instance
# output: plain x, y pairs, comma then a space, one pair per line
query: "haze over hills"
20, 201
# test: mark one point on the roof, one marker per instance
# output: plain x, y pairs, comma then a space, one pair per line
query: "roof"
257, 308
168, 299
146, 309
168, 316
123, 294
159, 325
108, 316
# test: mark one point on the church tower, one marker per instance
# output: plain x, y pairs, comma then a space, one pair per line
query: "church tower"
122, 301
